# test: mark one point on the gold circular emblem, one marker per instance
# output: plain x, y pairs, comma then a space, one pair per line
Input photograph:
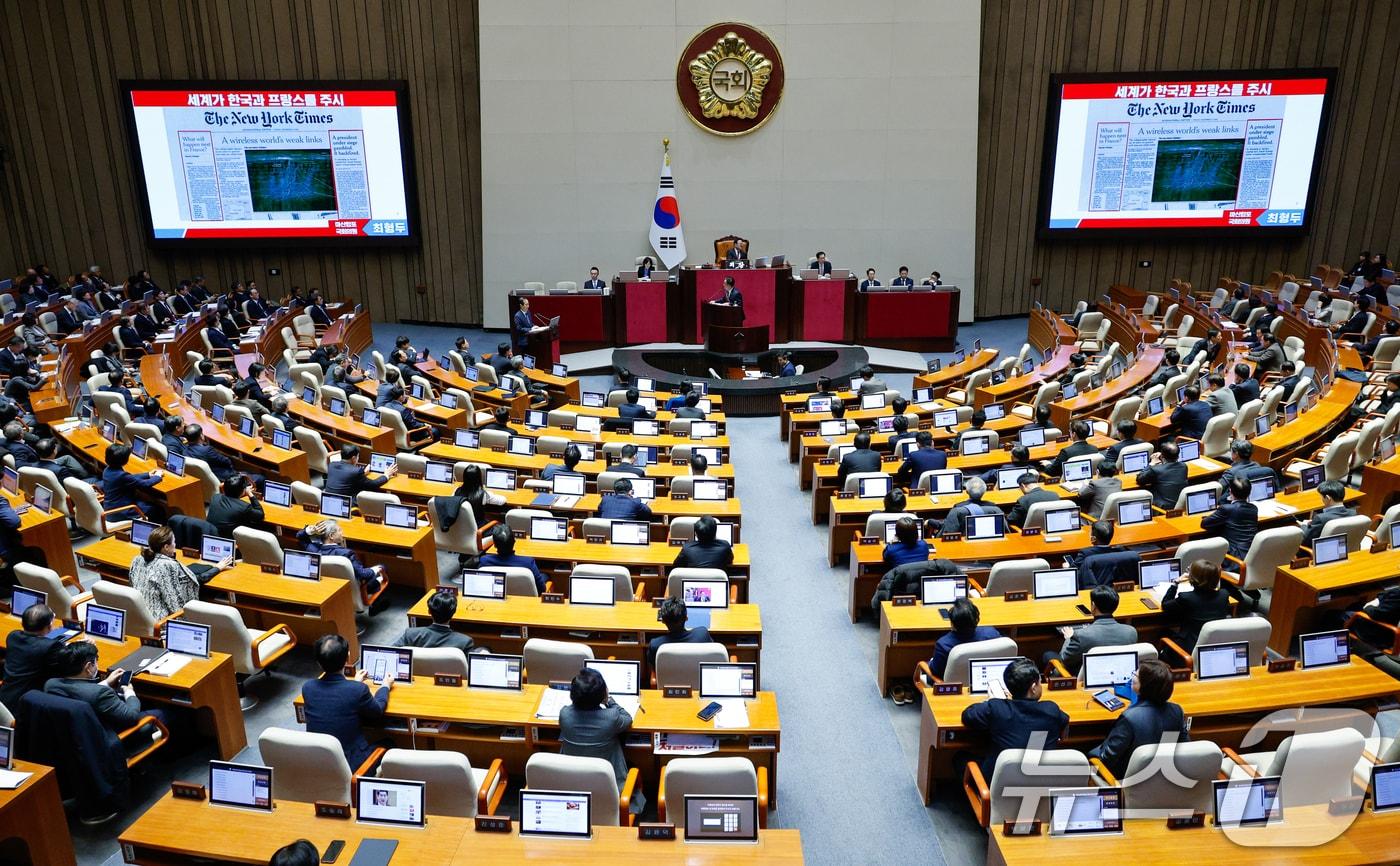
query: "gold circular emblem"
730, 78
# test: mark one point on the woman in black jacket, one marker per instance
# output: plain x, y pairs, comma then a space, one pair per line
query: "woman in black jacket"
1207, 601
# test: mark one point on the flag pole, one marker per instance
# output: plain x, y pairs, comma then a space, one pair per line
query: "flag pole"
666, 146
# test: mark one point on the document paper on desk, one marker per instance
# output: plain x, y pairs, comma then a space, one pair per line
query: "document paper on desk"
551, 702
734, 713
11, 779
664, 743
168, 664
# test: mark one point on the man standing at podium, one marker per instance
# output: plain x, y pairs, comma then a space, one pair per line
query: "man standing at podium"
522, 324
732, 296
593, 283
822, 266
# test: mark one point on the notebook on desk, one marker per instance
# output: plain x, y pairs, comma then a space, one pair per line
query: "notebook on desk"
374, 852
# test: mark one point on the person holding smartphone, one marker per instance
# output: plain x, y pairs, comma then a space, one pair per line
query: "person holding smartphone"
592, 725
342, 706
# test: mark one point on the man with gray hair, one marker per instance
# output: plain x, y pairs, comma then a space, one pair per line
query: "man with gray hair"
975, 488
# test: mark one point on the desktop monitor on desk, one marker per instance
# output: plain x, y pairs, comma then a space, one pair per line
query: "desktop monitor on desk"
728, 679
390, 801
633, 532
242, 786
1247, 801
487, 671
1153, 572
1063, 519
705, 592
556, 813
587, 589
945, 418
1109, 669
1054, 583
942, 591
985, 527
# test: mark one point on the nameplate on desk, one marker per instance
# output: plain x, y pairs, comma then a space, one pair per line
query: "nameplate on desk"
826, 461
1123, 586
656, 831
518, 533
416, 476
327, 809
551, 598
806, 433
566, 426
1175, 512
1031, 531
190, 552
1020, 828
680, 497
594, 539
1061, 684
123, 535
950, 688
676, 691
674, 542
1016, 595
1278, 666
952, 536
678, 462
1181, 675
187, 790
903, 601
868, 539
498, 450
1186, 820
453, 680
270, 569
1345, 806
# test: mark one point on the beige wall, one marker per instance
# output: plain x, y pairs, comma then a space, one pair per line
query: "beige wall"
872, 154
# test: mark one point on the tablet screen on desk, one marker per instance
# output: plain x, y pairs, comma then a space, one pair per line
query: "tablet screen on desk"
643, 488
1310, 477
1245, 802
629, 532
1105, 670
335, 505
299, 563
549, 528
1200, 501
384, 663
500, 479
1032, 438
721, 819
1385, 787
187, 638
276, 493
1085, 811
643, 427
567, 484
520, 445
1324, 649
1135, 512
1136, 461
139, 447
108, 622
922, 396
1158, 571
994, 411
985, 527
22, 599
485, 671
942, 482
591, 590
400, 516
1055, 583
593, 399
390, 801
701, 592
874, 488
1222, 660
622, 677
43, 498
1329, 549
213, 549
942, 590
728, 679
974, 445
1061, 520
872, 401
381, 463
482, 584
1155, 406
1009, 477
141, 531
945, 418
711, 490
1079, 470
1261, 489
246, 786
466, 439
704, 429
1188, 450
983, 671
438, 472
555, 813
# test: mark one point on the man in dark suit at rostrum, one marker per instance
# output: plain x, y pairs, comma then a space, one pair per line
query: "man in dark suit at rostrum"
593, 283
862, 459
732, 296
520, 325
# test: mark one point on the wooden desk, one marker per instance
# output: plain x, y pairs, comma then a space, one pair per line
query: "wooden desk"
342, 429
621, 631
953, 375
31, 816
1024, 387
310, 608
1222, 711
408, 555
48, 532
490, 723
1369, 839
803, 425
180, 494
1302, 594
1302, 436
175, 831
649, 563
483, 395
531, 466
1380, 483
1097, 399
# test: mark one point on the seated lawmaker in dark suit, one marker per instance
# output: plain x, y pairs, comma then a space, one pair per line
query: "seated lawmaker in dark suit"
1079, 446
343, 707
821, 265
592, 725
1101, 541
502, 555
673, 616
120, 487
593, 283
706, 551
632, 410
863, 459
198, 447
1127, 437
869, 282
735, 253
1333, 496
645, 268
975, 488
117, 707
1152, 720
1208, 601
1031, 493
903, 280
438, 633
1242, 464
1020, 459
1236, 520
572, 457
924, 458
1165, 476
1103, 631
347, 478
29, 654
622, 505
1191, 416
690, 407
234, 506
1269, 358
907, 545
1245, 388
963, 619
1023, 722
627, 462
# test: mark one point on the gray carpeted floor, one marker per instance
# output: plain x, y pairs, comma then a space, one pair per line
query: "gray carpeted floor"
846, 771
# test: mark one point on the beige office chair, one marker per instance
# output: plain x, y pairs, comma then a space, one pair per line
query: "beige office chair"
1215, 442
1156, 794
1245, 418
404, 438
1126, 409
306, 495
88, 512
518, 519
678, 664
1354, 527
546, 771
310, 767
1253, 629
453, 786
141, 430
519, 581
1324, 759
710, 775
317, 455
65, 594
1188, 490
1270, 549
253, 650
597, 527
32, 477
208, 481
1015, 575
959, 668
681, 528
624, 588
1110, 505
548, 661
675, 576
1209, 549
140, 622
853, 480
257, 547
1021, 782
464, 537
411, 464
439, 660
371, 503
552, 445
964, 396
342, 568
561, 418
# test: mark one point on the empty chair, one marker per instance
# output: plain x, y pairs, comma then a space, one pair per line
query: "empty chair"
975, 380
1324, 759
208, 481
309, 767
32, 477
1209, 549
548, 661
253, 650
1125, 409
681, 528
453, 786
317, 455
678, 664
1244, 419
439, 660
140, 622
518, 519
1380, 537
1020, 783
1270, 549
610, 807
1354, 528
853, 480
1014, 575
65, 593
1044, 395
257, 546
371, 503
713, 776
675, 576
411, 464
1157, 793
1253, 629
552, 444
306, 495
1216, 440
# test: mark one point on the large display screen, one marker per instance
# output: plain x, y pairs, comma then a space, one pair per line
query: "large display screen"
234, 163
1199, 153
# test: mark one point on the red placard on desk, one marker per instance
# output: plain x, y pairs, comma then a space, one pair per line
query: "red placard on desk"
758, 286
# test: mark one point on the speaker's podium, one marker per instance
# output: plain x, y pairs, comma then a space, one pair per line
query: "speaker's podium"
726, 334
542, 342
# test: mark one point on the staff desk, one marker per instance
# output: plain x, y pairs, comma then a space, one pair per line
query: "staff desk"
180, 494
951, 375
176, 831
908, 634
262, 457
532, 465
1369, 839
1096, 399
408, 555
486, 724
206, 686
847, 517
1302, 593
619, 631
483, 395
342, 429
826, 470
650, 564
310, 608
1221, 711
31, 817
1024, 387
663, 508
48, 532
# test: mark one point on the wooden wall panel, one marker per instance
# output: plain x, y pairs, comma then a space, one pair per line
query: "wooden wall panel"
1024, 43
67, 192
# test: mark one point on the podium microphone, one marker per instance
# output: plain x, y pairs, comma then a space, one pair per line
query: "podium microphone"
539, 319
